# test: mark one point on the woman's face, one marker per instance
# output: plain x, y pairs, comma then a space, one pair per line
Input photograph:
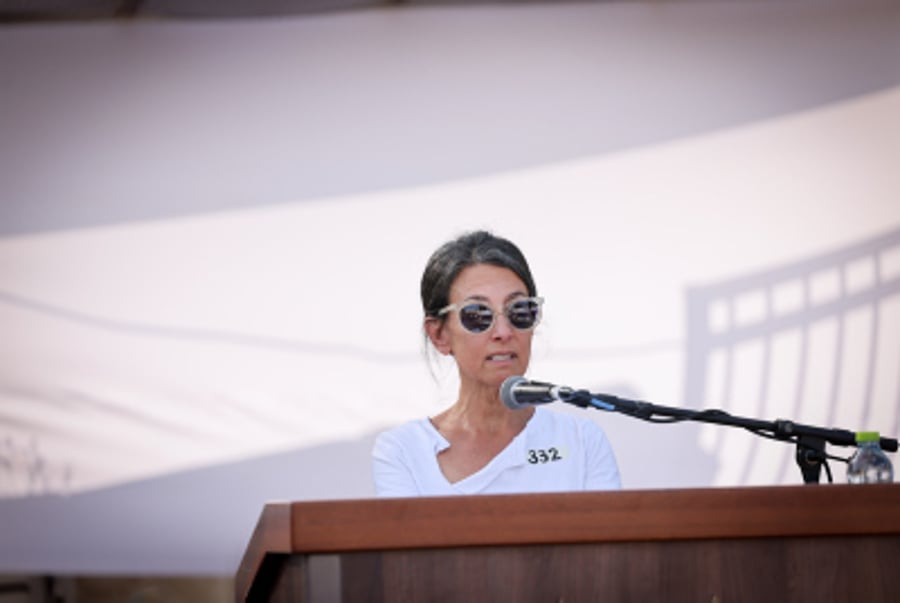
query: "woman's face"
489, 357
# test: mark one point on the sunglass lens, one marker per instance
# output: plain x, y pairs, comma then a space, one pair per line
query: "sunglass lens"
476, 318
523, 314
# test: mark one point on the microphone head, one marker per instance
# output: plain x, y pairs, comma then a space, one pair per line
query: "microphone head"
508, 396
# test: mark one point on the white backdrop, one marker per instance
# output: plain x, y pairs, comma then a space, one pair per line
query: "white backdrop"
210, 260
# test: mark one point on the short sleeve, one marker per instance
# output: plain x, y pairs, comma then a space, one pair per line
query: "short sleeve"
392, 474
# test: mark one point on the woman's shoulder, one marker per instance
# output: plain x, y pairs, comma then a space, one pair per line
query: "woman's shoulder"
415, 429
411, 435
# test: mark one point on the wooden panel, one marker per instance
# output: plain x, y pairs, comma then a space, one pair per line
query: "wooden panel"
594, 516
266, 552
290, 584
800, 569
777, 543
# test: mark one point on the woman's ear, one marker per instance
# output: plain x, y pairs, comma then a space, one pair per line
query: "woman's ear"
438, 335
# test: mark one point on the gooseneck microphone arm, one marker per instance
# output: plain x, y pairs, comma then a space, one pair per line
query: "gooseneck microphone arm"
779, 429
810, 440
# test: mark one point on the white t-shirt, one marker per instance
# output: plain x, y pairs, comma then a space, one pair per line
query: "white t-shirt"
554, 453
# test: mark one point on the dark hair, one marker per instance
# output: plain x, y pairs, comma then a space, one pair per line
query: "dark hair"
479, 247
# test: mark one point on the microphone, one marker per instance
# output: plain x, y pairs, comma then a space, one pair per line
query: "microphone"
518, 392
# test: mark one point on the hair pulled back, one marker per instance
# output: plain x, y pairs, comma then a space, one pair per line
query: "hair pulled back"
479, 247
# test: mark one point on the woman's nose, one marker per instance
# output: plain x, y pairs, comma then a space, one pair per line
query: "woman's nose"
501, 329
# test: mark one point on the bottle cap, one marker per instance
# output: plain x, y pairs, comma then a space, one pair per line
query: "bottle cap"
867, 436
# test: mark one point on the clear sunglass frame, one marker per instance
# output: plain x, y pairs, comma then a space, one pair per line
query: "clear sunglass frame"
537, 300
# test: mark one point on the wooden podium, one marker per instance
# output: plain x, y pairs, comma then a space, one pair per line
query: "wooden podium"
797, 543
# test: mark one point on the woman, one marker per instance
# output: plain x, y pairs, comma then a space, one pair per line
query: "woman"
481, 307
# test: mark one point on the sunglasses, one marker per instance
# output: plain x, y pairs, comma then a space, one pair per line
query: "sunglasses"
523, 313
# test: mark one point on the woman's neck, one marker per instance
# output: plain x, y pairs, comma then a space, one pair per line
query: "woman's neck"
479, 409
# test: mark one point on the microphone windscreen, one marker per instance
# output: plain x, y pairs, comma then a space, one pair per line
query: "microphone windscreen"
508, 396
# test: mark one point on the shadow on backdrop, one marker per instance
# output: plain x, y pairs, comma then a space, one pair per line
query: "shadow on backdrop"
193, 522
804, 335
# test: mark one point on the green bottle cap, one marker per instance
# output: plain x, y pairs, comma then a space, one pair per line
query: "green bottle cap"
867, 436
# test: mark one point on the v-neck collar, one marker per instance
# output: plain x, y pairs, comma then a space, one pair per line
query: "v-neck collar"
513, 455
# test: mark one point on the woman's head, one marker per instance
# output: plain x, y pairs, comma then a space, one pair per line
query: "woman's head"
484, 282
453, 257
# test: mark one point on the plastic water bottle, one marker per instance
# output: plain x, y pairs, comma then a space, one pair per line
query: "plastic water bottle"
869, 464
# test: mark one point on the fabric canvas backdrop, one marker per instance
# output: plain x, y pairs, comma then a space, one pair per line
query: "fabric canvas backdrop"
210, 300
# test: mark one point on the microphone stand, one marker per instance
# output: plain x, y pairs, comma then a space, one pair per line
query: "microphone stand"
809, 440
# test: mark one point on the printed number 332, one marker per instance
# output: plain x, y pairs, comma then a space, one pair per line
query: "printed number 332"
543, 456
